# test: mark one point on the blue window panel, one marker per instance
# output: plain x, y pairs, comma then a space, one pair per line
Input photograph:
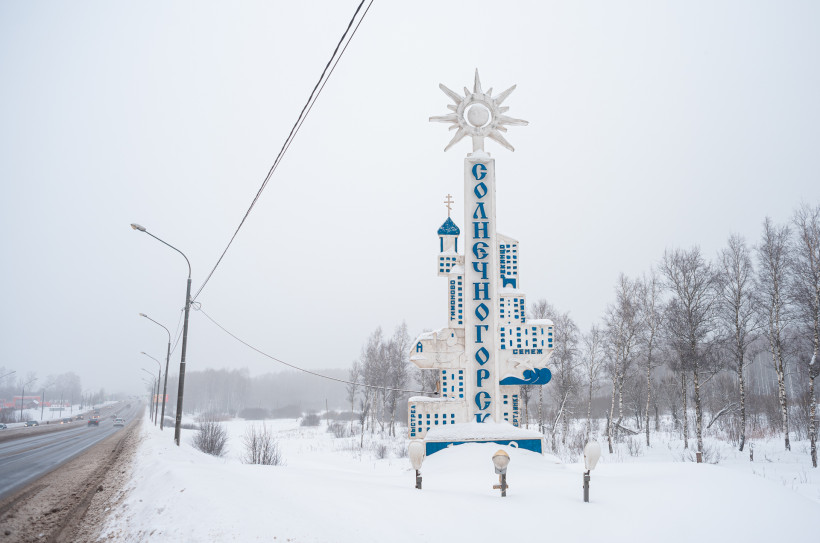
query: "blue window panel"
452, 415
461, 395
436, 415
428, 416
436, 423
445, 422
461, 371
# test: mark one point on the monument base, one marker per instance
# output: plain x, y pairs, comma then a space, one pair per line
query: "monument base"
502, 433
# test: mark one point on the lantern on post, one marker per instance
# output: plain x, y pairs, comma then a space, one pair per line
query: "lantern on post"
415, 450
500, 460
592, 452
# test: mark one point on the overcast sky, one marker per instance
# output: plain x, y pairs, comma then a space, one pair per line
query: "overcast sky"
652, 125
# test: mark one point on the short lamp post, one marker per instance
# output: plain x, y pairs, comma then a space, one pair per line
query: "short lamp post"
154, 387
415, 450
165, 381
592, 452
155, 407
501, 460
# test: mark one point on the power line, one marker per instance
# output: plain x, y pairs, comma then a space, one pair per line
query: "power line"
246, 344
314, 95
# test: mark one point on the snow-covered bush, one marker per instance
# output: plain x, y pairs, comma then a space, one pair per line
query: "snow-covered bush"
261, 447
339, 429
211, 438
311, 419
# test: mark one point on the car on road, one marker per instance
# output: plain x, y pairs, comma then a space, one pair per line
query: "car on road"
32, 423
80, 417
94, 421
65, 420
3, 426
119, 422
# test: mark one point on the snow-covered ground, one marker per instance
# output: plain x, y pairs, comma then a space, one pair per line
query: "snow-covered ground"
331, 491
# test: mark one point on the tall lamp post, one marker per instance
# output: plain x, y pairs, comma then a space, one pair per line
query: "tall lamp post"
23, 397
178, 423
165, 381
154, 388
159, 378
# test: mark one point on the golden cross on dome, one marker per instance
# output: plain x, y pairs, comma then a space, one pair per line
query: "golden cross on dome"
449, 202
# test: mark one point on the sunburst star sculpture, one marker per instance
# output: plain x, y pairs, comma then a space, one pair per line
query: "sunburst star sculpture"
479, 115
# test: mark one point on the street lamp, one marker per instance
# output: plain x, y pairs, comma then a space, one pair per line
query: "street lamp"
151, 385
23, 397
154, 386
165, 382
415, 450
178, 424
500, 460
159, 378
592, 452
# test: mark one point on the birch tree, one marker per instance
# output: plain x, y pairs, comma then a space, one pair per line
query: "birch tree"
691, 314
354, 375
736, 312
806, 296
623, 328
774, 260
540, 309
592, 363
652, 312
564, 362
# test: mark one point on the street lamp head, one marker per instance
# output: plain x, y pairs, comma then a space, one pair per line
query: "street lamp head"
135, 226
500, 460
592, 452
415, 450
143, 315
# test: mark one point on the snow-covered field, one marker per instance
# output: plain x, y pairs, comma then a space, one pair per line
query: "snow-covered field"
330, 491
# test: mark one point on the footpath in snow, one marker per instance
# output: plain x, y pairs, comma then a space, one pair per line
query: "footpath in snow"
329, 491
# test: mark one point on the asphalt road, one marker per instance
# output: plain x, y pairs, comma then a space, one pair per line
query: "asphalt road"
25, 459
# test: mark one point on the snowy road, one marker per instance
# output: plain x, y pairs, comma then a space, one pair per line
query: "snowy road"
29, 457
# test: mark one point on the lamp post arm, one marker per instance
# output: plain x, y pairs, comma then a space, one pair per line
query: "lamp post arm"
175, 249
158, 324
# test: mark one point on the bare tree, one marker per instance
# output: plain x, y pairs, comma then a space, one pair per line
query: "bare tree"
806, 296
652, 311
623, 328
592, 362
398, 369
354, 375
564, 362
691, 314
774, 260
540, 309
736, 312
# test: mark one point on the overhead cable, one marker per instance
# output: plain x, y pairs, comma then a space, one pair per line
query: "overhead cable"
314, 95
364, 385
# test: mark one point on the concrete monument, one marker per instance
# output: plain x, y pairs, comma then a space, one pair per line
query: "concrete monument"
488, 348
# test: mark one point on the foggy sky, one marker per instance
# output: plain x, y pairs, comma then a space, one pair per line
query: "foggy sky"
651, 126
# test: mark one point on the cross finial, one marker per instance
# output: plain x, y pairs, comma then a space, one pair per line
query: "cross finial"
449, 202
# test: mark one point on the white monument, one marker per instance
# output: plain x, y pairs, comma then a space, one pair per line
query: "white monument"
488, 348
